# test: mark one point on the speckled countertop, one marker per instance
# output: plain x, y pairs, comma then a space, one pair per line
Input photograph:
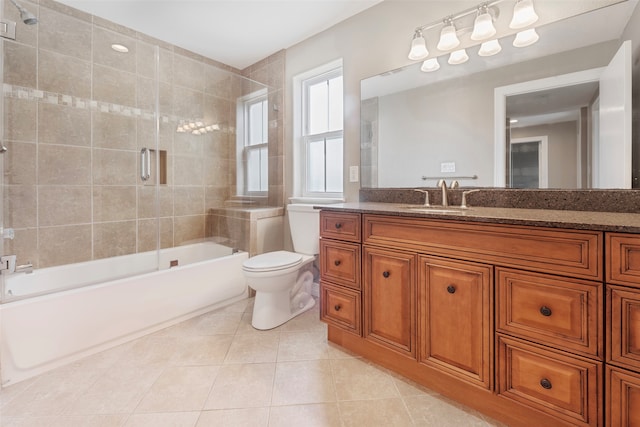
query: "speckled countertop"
580, 220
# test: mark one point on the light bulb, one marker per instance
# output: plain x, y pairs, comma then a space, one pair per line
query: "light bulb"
458, 57
526, 38
430, 65
490, 48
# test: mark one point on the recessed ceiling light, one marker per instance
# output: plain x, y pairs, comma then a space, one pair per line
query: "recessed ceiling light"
119, 48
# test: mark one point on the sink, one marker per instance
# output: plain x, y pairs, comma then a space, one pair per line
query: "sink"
434, 210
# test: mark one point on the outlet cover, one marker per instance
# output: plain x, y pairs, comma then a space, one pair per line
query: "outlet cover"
354, 175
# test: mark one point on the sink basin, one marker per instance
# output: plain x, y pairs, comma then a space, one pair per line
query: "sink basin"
434, 210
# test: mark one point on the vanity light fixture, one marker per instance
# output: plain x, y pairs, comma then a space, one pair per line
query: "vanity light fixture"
490, 48
480, 28
526, 38
418, 47
448, 37
430, 65
458, 57
523, 15
483, 27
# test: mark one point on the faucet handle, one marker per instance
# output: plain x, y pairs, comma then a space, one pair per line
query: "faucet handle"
463, 205
426, 196
454, 184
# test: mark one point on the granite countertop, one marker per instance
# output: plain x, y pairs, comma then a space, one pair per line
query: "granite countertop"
580, 220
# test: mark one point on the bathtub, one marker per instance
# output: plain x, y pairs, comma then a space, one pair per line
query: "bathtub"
50, 317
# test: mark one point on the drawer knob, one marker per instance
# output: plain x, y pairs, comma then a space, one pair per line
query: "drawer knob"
451, 289
545, 383
338, 226
545, 311
385, 274
337, 307
337, 262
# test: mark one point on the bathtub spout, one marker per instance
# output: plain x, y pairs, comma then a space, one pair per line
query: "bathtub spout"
25, 268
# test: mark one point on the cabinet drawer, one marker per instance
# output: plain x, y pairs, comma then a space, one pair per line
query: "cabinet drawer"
576, 253
623, 336
623, 398
340, 307
341, 226
567, 387
623, 259
340, 263
566, 313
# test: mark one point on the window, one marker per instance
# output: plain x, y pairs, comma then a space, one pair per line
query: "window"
253, 166
320, 142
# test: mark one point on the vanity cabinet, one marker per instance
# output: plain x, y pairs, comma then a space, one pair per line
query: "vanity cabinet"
623, 329
509, 320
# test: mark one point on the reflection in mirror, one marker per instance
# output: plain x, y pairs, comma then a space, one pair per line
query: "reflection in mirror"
444, 126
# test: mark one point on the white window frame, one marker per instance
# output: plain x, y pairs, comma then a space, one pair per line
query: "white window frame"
301, 83
242, 138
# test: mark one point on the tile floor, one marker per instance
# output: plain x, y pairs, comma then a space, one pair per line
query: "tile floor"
216, 370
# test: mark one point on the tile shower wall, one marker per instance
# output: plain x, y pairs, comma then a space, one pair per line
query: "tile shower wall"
77, 114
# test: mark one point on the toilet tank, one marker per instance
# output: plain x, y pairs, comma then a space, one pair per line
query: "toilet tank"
304, 223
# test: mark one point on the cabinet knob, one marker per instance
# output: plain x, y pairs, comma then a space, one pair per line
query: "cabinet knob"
451, 289
337, 307
338, 225
385, 274
545, 311
337, 262
545, 383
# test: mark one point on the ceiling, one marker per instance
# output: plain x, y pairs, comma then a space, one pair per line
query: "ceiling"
235, 32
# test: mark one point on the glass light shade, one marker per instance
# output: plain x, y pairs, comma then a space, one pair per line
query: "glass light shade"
418, 48
448, 38
430, 65
490, 48
526, 38
458, 57
483, 27
523, 15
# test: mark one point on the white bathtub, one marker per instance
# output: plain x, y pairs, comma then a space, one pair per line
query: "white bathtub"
42, 332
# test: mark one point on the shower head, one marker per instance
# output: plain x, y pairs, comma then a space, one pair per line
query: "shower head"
26, 16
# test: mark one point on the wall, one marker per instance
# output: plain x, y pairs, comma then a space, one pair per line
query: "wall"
76, 117
632, 32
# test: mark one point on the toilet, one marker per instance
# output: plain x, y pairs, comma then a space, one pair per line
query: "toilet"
282, 292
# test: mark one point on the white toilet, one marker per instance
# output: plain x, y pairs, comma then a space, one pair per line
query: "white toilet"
281, 291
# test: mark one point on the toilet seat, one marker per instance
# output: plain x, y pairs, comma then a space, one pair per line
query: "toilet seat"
272, 261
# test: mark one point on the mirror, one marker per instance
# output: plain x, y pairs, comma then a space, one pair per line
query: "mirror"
418, 127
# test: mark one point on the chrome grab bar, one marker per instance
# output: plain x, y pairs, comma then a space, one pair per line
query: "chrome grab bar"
145, 164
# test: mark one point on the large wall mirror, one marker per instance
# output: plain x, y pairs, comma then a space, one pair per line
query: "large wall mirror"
525, 118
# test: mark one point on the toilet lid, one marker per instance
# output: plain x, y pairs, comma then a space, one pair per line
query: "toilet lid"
272, 261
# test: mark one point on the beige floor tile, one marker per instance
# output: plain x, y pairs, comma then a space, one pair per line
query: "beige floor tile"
152, 349
214, 323
254, 348
167, 419
180, 388
303, 382
316, 415
305, 322
201, 350
14, 390
407, 387
375, 413
248, 417
110, 420
356, 379
242, 386
435, 411
117, 391
244, 327
302, 346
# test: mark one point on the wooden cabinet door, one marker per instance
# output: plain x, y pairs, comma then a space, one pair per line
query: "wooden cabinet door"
623, 398
455, 312
389, 298
623, 327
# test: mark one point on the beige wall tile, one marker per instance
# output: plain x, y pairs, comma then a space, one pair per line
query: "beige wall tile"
64, 34
115, 86
188, 144
20, 163
20, 64
64, 165
114, 239
188, 73
188, 104
103, 54
64, 205
148, 234
165, 69
215, 196
113, 203
216, 171
63, 74
60, 124
115, 167
20, 206
114, 131
20, 120
28, 34
188, 228
189, 201
145, 59
147, 201
24, 246
188, 170
64, 245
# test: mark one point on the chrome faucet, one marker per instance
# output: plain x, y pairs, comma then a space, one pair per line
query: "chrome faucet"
443, 185
426, 196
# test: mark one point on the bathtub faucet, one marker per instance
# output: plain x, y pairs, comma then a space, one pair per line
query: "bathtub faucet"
8, 265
